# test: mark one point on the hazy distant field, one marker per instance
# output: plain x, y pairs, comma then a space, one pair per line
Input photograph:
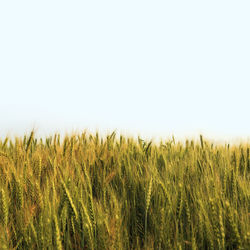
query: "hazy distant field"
87, 192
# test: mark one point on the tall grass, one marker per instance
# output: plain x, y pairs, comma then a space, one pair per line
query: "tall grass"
88, 192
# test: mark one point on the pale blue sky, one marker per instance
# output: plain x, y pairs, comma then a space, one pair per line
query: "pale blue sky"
153, 68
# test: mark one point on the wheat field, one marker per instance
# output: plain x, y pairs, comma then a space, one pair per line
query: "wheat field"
85, 191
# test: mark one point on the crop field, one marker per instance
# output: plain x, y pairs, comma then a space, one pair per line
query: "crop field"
85, 191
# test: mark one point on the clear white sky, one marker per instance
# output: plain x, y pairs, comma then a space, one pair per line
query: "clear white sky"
153, 68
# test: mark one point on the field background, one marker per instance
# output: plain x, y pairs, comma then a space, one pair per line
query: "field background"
146, 69
89, 192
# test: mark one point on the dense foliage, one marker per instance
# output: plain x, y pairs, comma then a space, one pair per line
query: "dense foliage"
87, 192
